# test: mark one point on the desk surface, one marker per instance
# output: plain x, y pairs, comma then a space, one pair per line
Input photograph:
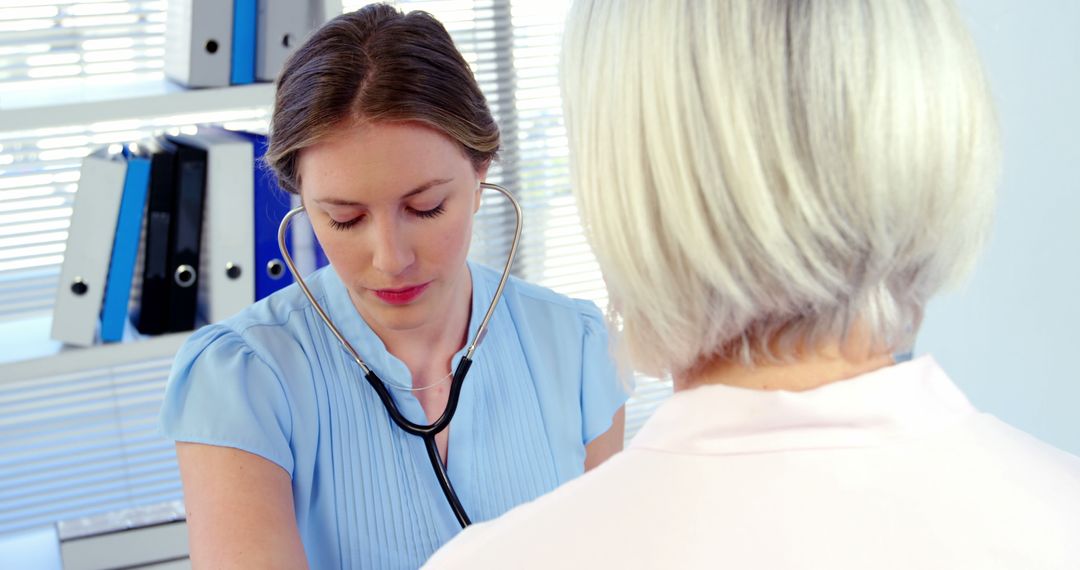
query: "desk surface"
39, 549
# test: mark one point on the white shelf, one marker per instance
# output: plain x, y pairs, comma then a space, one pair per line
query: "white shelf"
29, 353
92, 100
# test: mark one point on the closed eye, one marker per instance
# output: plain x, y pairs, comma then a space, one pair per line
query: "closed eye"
344, 225
428, 214
424, 214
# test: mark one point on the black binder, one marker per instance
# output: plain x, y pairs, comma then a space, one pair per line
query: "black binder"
186, 238
156, 282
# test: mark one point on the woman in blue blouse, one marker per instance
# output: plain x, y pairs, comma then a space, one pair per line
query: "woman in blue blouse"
287, 456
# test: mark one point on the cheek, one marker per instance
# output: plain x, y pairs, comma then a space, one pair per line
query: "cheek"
448, 245
346, 254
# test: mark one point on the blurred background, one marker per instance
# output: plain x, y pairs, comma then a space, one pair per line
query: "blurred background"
78, 426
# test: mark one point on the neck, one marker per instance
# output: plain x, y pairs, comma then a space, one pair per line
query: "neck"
428, 349
830, 363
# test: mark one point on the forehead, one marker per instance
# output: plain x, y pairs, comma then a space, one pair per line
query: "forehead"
378, 160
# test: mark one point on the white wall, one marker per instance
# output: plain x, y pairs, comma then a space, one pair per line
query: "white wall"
1010, 336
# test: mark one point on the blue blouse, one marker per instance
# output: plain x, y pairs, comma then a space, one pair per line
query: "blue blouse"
274, 381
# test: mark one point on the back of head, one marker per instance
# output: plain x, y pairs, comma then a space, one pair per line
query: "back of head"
377, 64
758, 176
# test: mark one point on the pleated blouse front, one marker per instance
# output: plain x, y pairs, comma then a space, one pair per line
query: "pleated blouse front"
275, 382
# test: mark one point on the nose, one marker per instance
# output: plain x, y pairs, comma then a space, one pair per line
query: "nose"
392, 253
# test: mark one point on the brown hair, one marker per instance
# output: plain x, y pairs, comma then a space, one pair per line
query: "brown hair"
377, 64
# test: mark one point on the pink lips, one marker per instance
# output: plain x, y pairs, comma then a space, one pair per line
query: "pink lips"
401, 296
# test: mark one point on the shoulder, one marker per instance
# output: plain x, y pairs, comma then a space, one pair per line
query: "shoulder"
278, 308
216, 346
989, 440
592, 500
227, 392
270, 327
538, 301
261, 355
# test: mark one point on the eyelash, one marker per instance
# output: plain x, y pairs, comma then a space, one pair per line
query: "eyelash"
343, 225
428, 214
424, 214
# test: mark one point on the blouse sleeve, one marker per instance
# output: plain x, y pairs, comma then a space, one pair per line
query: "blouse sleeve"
220, 392
602, 389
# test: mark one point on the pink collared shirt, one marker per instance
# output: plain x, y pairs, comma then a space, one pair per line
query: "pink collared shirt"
892, 469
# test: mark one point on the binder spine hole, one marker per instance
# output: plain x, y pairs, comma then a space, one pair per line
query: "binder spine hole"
286, 40
78, 286
232, 270
275, 269
185, 276
211, 46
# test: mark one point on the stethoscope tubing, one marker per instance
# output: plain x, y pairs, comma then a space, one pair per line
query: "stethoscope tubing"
429, 431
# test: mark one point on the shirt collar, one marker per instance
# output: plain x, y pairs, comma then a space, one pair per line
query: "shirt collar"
903, 400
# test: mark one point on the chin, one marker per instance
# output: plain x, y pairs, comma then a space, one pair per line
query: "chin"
400, 318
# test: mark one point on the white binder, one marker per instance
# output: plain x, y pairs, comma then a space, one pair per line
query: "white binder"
89, 246
227, 282
323, 10
198, 42
283, 25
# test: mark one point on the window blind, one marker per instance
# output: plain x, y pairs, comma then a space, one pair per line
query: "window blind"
48, 43
85, 443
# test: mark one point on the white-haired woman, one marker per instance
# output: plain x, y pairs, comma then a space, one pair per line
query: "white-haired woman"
774, 190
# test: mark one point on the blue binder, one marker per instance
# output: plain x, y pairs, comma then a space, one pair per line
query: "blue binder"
114, 312
245, 16
271, 205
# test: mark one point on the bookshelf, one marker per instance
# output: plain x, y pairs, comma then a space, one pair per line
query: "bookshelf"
80, 424
28, 352
90, 100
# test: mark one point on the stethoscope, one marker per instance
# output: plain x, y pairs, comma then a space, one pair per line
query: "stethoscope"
426, 432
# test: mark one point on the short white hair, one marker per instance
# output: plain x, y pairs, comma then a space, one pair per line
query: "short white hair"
758, 176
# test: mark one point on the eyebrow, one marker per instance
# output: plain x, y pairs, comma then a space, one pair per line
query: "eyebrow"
422, 188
